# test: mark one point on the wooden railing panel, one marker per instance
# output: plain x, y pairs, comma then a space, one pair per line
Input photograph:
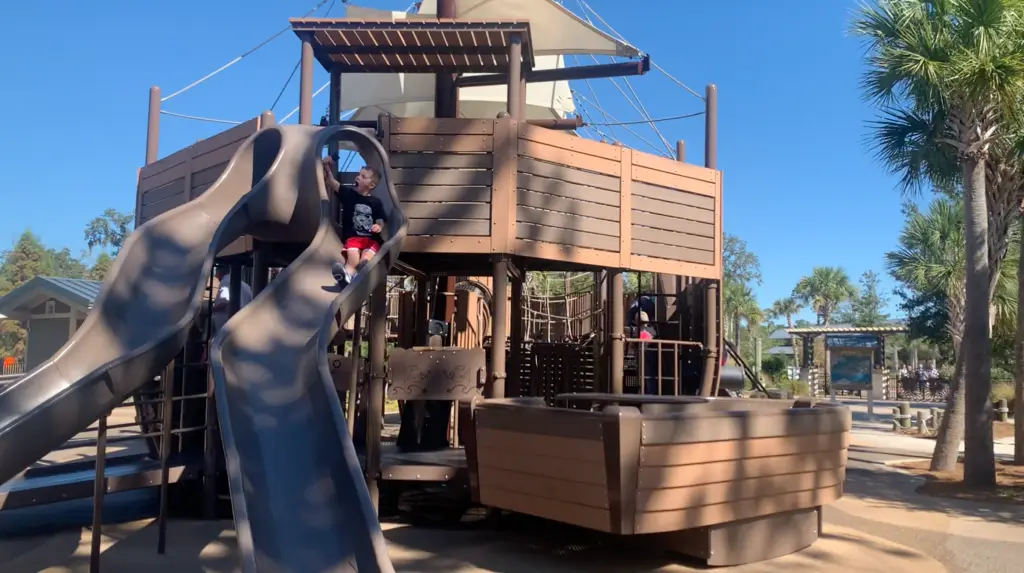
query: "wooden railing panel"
675, 214
443, 193
567, 197
192, 169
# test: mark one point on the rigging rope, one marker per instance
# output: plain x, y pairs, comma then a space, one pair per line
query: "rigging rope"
240, 57
658, 120
199, 118
656, 149
296, 110
594, 93
624, 40
638, 106
299, 63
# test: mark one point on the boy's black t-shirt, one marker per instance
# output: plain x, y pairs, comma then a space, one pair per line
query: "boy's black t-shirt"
358, 212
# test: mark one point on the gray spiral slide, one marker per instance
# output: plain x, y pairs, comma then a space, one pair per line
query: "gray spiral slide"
296, 486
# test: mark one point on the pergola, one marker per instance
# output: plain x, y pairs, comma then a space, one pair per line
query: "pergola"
846, 336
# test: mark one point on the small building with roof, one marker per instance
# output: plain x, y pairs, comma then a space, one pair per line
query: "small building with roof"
53, 308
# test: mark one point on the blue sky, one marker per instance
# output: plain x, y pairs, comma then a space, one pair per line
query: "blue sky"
801, 186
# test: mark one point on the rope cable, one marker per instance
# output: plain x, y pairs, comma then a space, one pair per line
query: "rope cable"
654, 147
240, 57
296, 110
199, 118
620, 37
638, 106
298, 63
654, 120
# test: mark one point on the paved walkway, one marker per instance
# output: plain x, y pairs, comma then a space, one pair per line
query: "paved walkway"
881, 525
880, 499
210, 547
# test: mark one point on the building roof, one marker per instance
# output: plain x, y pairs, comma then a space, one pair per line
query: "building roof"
417, 45
890, 327
785, 350
78, 292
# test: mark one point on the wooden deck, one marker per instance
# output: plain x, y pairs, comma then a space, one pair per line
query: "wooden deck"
497, 186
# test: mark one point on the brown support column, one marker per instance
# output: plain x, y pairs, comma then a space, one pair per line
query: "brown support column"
713, 295
616, 318
334, 110
515, 355
446, 95
711, 338
522, 96
515, 70
260, 268
153, 125
598, 325
499, 325
306, 83
711, 126
422, 311
375, 395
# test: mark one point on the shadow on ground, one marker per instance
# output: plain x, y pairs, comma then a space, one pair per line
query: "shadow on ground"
872, 480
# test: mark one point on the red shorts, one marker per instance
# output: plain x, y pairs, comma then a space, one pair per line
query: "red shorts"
362, 244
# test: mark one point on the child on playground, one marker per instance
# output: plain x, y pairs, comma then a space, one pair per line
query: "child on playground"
361, 217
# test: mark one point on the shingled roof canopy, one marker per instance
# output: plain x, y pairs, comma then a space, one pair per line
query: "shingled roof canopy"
413, 46
79, 292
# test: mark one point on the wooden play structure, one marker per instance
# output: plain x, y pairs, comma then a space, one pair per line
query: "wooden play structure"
558, 429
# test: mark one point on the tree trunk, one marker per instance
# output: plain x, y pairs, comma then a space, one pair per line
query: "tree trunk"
951, 431
979, 457
1018, 356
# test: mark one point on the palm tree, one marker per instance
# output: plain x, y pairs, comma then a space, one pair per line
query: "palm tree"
740, 304
931, 258
824, 290
785, 308
962, 60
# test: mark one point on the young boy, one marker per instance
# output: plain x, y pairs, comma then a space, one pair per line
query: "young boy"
361, 217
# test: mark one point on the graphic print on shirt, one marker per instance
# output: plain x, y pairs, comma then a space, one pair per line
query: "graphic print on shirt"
362, 219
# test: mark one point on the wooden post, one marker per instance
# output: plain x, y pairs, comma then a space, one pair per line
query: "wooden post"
334, 110
353, 374
711, 126
422, 311
499, 326
375, 395
153, 125
306, 83
515, 354
446, 94
711, 338
260, 267
615, 331
166, 414
515, 69
99, 490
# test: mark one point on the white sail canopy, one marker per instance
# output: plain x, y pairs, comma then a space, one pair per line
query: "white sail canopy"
554, 31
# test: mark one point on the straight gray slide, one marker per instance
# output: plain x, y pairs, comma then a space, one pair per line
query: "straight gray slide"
150, 297
300, 503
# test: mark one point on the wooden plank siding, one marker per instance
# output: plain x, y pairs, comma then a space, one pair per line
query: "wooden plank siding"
536, 461
188, 173
627, 472
715, 467
443, 171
